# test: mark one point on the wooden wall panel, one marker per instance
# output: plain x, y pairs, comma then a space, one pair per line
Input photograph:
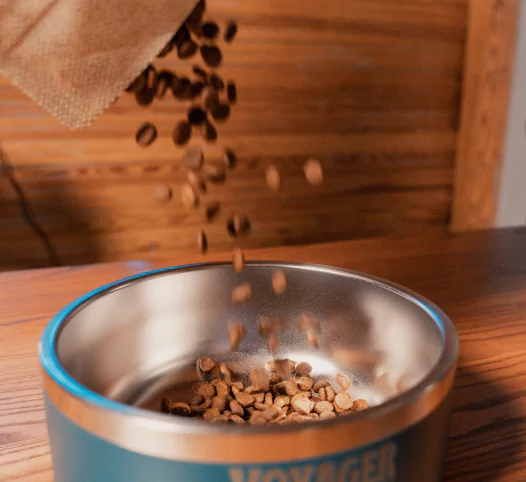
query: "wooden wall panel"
371, 88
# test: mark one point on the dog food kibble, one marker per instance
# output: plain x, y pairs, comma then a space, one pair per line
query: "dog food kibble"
211, 55
236, 334
313, 172
238, 260
230, 31
231, 92
146, 134
279, 282
202, 242
242, 293
182, 133
196, 115
189, 196
187, 49
208, 131
212, 211
194, 158
343, 381
273, 178
162, 193
259, 400
360, 405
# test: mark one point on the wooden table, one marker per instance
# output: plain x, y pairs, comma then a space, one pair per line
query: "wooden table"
478, 279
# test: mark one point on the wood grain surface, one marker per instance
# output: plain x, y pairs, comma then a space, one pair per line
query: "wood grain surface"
488, 71
371, 88
479, 279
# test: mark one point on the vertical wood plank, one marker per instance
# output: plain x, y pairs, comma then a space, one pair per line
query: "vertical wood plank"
490, 49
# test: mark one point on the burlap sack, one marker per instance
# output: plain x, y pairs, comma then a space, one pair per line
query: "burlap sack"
74, 57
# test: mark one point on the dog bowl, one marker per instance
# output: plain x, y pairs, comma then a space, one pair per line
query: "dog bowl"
107, 356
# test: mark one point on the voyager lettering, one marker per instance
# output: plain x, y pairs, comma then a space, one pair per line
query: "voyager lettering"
374, 465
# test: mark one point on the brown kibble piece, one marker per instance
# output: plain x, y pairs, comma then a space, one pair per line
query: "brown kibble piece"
302, 405
196, 399
211, 55
239, 225
342, 401
242, 293
179, 408
298, 417
217, 82
303, 369
282, 400
189, 196
208, 131
239, 385
206, 364
327, 415
272, 178
279, 282
259, 397
322, 406
196, 115
237, 419
313, 172
229, 158
257, 418
164, 82
343, 381
320, 384
231, 92
212, 211
312, 337
162, 193
291, 387
329, 393
211, 414
210, 30
271, 413
238, 260
200, 72
236, 408
205, 389
219, 402
272, 342
221, 387
230, 31
305, 383
245, 399
202, 242
211, 99
274, 378
146, 134
359, 405
187, 49
182, 133
194, 158
259, 379
138, 84
237, 332
144, 97
220, 111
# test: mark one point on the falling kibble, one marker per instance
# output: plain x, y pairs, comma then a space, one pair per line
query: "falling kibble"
212, 211
238, 226
194, 158
210, 30
211, 55
279, 282
230, 31
238, 260
200, 72
164, 82
214, 172
229, 157
272, 178
313, 172
162, 193
182, 133
242, 293
196, 115
189, 196
217, 82
146, 134
208, 131
202, 242
220, 112
237, 332
231, 92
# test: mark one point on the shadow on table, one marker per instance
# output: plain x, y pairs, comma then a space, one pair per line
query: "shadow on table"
483, 443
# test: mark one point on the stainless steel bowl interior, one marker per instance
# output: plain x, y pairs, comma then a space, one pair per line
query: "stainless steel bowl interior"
139, 338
